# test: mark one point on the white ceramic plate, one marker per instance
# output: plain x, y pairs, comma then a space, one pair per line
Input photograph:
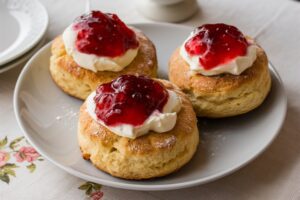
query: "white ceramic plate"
48, 118
23, 23
23, 58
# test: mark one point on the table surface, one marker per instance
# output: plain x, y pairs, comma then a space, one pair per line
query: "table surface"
275, 174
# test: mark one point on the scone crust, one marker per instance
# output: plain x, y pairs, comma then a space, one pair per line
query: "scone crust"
226, 94
148, 156
79, 82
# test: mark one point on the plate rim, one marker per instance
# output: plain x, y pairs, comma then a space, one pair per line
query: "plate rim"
33, 42
23, 58
136, 186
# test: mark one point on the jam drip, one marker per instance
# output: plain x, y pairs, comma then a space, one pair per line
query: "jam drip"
129, 100
103, 34
216, 44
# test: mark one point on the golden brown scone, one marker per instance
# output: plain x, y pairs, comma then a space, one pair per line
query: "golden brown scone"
226, 94
80, 82
148, 156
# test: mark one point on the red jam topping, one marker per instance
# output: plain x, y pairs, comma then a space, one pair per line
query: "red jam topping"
129, 100
216, 44
103, 34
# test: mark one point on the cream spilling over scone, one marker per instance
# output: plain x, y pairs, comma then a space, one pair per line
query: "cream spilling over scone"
223, 72
95, 47
132, 106
230, 52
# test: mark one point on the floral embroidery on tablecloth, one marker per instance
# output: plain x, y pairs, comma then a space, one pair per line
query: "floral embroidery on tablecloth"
15, 154
18, 153
93, 190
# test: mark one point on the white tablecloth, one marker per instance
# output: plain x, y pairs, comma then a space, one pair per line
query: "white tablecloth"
274, 175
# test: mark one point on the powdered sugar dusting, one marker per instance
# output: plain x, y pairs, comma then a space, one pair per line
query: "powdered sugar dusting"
211, 139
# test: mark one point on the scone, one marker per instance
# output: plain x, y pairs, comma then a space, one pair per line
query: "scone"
137, 128
97, 48
223, 72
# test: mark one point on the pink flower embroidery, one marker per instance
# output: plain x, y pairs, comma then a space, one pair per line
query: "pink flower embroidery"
26, 153
96, 195
3, 158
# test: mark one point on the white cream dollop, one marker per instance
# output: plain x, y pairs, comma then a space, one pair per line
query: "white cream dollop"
94, 62
158, 121
236, 66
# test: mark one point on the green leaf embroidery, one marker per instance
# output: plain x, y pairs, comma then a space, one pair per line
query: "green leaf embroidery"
31, 167
10, 166
95, 186
10, 172
4, 178
89, 187
84, 186
15, 142
3, 142
89, 190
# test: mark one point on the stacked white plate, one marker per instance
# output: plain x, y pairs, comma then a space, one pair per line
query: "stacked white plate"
23, 24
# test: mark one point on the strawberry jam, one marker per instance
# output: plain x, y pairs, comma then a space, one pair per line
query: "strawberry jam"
103, 34
216, 44
129, 100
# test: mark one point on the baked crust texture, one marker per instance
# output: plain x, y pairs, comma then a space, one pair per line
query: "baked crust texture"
79, 82
226, 94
